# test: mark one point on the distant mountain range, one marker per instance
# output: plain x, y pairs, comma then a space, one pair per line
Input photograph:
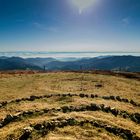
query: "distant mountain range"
116, 63
16, 63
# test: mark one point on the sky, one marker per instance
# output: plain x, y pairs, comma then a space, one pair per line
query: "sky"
70, 25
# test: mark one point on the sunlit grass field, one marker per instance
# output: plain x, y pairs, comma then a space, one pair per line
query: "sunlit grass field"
68, 89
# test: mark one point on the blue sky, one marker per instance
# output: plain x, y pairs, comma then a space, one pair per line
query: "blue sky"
63, 25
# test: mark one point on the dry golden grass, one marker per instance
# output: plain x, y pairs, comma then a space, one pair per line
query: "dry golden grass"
15, 86
77, 133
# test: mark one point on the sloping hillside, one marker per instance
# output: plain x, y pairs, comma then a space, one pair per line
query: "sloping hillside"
69, 106
121, 63
16, 63
116, 63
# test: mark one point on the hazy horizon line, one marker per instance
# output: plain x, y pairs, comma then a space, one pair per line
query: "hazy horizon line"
71, 51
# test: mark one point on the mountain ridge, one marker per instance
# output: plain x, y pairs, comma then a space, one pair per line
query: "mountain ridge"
116, 63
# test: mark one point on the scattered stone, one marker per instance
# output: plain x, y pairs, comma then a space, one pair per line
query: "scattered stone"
86, 95
8, 119
17, 117
81, 123
83, 108
28, 129
94, 107
125, 116
128, 133
136, 137
71, 122
98, 85
24, 99
114, 111
27, 113
136, 117
1, 125
102, 106
133, 103
70, 95
65, 109
82, 95
32, 98
38, 126
63, 95
18, 100
112, 97
96, 96
118, 98
96, 124
46, 110
4, 103
125, 100
106, 109
62, 124
26, 133
92, 96
106, 97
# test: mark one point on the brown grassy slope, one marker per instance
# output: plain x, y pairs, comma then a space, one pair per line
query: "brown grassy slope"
13, 86
17, 86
